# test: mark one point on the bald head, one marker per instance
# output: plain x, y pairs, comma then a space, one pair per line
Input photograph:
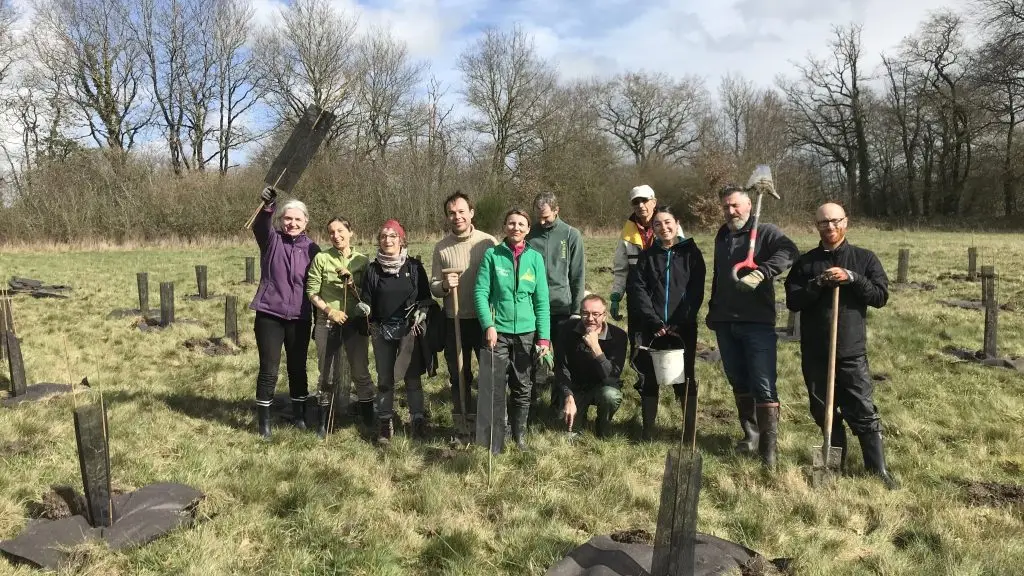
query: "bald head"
830, 219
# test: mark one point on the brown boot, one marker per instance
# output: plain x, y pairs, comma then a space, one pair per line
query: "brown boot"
768, 432
748, 424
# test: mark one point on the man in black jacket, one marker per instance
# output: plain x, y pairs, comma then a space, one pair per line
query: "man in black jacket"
742, 315
589, 357
858, 275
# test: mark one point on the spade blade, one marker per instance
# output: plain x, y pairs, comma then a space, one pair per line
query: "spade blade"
299, 149
823, 470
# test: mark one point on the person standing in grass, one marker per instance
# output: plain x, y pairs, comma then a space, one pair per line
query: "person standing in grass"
561, 245
637, 235
589, 356
511, 297
856, 272
460, 252
283, 313
331, 286
395, 296
742, 316
667, 291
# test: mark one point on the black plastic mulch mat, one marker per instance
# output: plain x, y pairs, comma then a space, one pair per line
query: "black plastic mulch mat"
37, 288
36, 392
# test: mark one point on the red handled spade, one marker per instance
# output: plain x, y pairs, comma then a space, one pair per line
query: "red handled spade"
761, 173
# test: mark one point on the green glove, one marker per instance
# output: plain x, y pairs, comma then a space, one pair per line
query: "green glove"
615, 299
548, 359
751, 281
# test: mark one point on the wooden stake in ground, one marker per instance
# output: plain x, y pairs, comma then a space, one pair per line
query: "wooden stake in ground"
972, 263
166, 303
15, 364
903, 266
201, 285
231, 318
142, 281
991, 304
826, 458
250, 269
94, 460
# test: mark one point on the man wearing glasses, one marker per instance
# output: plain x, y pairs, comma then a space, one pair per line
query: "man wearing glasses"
637, 236
588, 364
858, 275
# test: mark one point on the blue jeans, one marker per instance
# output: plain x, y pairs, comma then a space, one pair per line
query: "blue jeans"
748, 352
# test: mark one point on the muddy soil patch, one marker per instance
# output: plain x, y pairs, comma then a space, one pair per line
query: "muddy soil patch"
633, 536
993, 493
215, 346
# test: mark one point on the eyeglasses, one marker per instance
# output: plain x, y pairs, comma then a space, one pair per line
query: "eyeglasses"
639, 201
833, 223
592, 314
384, 237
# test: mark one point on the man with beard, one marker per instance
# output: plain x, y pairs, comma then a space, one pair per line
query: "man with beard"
742, 315
462, 249
858, 275
561, 245
637, 235
589, 358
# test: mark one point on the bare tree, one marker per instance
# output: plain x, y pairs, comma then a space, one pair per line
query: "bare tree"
308, 59
388, 80
654, 116
904, 103
506, 84
91, 43
236, 73
736, 95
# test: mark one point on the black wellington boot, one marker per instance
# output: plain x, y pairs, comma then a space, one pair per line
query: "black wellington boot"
366, 412
648, 415
263, 421
299, 414
768, 432
518, 421
874, 458
325, 421
748, 424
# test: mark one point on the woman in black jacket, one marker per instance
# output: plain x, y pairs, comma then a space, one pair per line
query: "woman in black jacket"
666, 290
396, 297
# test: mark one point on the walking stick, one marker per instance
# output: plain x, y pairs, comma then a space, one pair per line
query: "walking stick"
462, 423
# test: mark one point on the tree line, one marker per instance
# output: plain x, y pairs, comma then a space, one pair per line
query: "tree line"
129, 116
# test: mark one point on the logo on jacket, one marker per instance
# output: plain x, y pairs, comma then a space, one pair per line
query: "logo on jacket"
528, 276
565, 249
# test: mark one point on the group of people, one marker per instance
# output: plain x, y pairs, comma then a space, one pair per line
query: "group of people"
523, 299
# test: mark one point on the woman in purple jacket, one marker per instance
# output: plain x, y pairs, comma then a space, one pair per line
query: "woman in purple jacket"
283, 313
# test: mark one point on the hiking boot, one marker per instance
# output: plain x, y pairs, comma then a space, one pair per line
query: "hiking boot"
648, 415
768, 432
263, 421
366, 412
748, 424
299, 414
419, 427
387, 430
874, 458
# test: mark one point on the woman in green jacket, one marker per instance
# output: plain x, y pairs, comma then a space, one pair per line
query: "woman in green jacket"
332, 286
511, 297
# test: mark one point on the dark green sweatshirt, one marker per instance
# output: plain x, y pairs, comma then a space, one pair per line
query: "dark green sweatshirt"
561, 246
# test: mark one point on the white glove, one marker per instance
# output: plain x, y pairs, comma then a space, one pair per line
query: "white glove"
363, 309
751, 281
419, 317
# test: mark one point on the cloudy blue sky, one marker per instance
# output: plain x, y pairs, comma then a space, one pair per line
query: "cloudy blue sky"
755, 38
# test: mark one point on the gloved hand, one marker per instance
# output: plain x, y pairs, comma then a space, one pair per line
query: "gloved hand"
268, 195
363, 309
419, 316
574, 317
545, 356
615, 299
751, 281
336, 316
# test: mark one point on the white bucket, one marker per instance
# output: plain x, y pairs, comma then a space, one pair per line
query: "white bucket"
669, 366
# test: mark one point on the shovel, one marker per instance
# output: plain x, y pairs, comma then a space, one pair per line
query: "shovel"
303, 143
826, 458
463, 426
762, 171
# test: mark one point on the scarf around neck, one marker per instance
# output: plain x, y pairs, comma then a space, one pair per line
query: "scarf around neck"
392, 264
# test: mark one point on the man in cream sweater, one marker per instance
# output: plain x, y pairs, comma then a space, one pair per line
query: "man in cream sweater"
456, 262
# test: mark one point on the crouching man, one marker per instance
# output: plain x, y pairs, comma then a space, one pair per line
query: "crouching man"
588, 364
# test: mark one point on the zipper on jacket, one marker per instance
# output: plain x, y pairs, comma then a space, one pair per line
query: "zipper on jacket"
668, 277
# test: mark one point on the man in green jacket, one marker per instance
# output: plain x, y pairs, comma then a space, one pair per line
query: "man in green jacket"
561, 246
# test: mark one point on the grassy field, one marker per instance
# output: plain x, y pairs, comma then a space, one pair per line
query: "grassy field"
300, 506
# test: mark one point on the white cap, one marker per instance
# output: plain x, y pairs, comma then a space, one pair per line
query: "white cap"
641, 191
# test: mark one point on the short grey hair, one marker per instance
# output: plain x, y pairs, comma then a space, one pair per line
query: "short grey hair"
546, 199
288, 205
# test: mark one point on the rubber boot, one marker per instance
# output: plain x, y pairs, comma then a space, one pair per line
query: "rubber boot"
648, 415
518, 419
768, 432
419, 427
366, 412
263, 421
839, 439
602, 423
874, 458
299, 414
386, 431
748, 424
325, 420
689, 405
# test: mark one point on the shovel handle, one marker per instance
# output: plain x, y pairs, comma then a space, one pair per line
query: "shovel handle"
749, 263
830, 385
252, 219
458, 341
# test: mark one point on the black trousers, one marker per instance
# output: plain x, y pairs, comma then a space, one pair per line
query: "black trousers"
853, 392
472, 339
271, 333
517, 350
